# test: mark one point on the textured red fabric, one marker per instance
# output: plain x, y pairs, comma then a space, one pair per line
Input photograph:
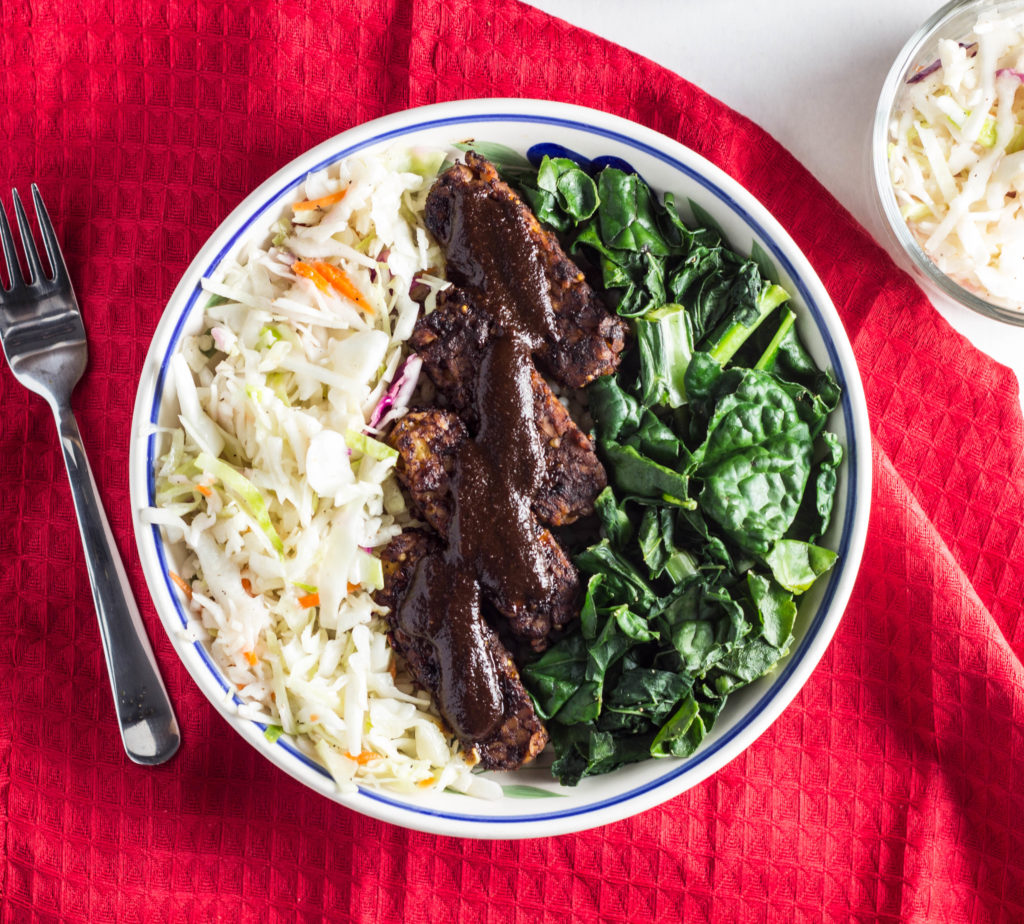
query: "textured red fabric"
889, 790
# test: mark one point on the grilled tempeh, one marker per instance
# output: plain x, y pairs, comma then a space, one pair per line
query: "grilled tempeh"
427, 443
520, 735
589, 340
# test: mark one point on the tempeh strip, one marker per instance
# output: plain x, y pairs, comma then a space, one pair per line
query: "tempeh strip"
588, 339
427, 443
520, 735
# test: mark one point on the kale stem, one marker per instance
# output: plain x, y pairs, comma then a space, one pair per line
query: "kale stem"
736, 334
768, 356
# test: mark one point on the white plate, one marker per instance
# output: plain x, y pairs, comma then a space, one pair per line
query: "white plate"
667, 166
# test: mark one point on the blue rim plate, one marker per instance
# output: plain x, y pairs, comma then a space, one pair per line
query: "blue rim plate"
667, 166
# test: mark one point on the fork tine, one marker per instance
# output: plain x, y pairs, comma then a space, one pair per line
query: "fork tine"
10, 254
28, 242
60, 271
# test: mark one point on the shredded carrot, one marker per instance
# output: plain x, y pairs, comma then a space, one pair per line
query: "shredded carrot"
429, 781
182, 586
204, 490
352, 588
309, 600
313, 717
304, 269
310, 205
250, 656
247, 586
339, 279
363, 757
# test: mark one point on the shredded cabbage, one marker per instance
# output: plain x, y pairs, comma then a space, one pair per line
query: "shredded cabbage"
278, 491
956, 158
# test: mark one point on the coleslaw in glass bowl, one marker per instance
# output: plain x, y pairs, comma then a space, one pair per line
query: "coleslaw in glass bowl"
948, 155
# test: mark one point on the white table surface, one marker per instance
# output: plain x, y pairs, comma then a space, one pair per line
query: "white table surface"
807, 71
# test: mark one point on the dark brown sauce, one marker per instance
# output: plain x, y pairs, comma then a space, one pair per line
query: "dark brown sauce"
493, 538
435, 608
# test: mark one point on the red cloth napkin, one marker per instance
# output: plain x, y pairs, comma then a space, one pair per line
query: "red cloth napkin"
890, 788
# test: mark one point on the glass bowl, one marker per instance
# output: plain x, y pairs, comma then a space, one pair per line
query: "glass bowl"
954, 20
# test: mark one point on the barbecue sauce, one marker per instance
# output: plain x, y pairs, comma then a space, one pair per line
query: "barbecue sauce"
493, 537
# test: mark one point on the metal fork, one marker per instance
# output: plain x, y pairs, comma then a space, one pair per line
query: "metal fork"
44, 340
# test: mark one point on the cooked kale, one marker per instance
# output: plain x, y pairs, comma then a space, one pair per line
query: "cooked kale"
721, 479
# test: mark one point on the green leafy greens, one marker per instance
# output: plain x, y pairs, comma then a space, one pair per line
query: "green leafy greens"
721, 477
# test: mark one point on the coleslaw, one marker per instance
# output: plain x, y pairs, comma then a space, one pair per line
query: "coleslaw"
277, 487
956, 158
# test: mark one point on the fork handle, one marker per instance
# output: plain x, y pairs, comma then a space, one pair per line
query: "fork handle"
148, 726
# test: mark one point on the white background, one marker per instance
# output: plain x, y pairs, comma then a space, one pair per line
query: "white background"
807, 71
